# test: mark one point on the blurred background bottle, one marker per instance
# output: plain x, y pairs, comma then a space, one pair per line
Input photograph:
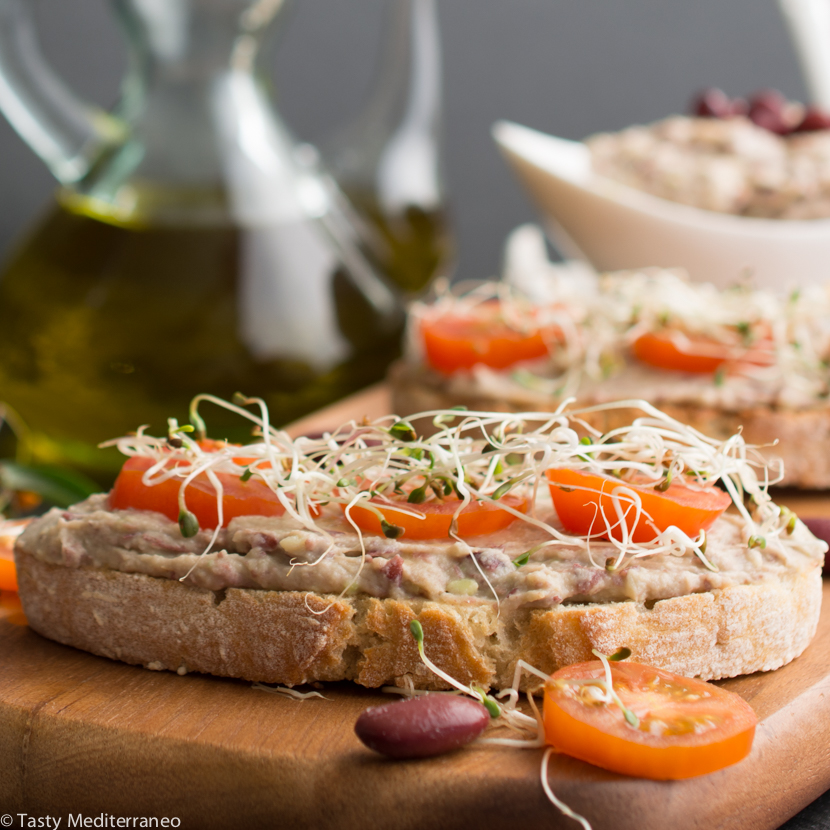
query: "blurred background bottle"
195, 246
388, 160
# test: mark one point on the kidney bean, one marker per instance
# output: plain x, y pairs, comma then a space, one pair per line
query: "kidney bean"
814, 119
715, 103
422, 726
712, 103
767, 110
820, 528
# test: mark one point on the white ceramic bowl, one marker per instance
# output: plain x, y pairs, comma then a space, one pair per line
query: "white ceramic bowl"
616, 227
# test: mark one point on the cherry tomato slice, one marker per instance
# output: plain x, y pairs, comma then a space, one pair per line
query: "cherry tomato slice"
698, 354
460, 340
476, 519
11, 609
240, 498
8, 572
582, 499
9, 531
686, 727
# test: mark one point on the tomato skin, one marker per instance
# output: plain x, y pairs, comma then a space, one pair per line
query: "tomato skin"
10, 529
8, 572
708, 727
459, 340
690, 510
11, 609
240, 498
477, 518
660, 350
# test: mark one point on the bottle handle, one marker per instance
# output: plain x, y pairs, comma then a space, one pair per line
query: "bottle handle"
50, 118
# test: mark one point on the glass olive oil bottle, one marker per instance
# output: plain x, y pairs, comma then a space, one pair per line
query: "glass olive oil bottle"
193, 247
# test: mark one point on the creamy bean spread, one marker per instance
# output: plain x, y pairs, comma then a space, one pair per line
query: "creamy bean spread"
725, 165
661, 386
280, 554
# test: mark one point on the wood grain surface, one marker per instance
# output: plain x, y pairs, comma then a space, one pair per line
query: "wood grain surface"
82, 734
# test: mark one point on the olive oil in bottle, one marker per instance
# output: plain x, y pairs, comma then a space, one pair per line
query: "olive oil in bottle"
106, 327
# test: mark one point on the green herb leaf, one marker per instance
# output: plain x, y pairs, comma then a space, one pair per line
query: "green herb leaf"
418, 496
620, 654
417, 632
523, 559
489, 703
188, 524
390, 531
664, 485
403, 431
504, 489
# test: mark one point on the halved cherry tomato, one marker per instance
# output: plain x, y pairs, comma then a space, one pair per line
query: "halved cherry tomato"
9, 531
8, 573
686, 727
11, 609
477, 518
667, 350
240, 498
582, 499
460, 340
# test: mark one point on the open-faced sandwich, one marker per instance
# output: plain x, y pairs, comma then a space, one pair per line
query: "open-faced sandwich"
506, 536
720, 361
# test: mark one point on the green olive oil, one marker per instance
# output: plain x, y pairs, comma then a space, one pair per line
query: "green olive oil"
104, 327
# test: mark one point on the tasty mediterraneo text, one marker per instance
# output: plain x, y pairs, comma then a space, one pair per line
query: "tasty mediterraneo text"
101, 820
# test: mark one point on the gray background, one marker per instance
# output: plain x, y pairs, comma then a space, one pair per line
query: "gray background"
569, 67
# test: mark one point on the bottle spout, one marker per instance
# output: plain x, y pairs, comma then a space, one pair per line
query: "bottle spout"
63, 130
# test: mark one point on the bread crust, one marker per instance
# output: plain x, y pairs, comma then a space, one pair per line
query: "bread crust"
801, 437
292, 638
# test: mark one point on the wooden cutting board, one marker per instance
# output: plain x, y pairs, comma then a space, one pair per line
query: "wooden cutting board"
82, 734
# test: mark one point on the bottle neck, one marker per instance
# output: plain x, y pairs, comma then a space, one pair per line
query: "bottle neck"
392, 149
187, 44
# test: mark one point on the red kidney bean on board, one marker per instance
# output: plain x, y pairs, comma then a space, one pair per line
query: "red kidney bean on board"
422, 726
